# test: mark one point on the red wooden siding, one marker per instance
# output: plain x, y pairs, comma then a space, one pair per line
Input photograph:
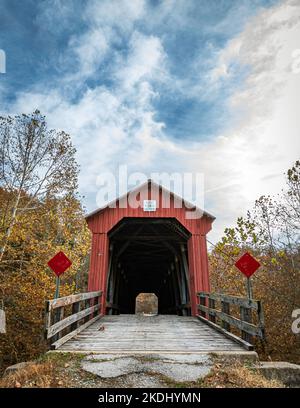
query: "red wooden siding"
101, 222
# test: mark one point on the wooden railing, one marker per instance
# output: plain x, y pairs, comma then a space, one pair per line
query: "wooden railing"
216, 310
67, 316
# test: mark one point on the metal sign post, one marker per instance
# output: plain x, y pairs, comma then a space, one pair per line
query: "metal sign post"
249, 289
57, 287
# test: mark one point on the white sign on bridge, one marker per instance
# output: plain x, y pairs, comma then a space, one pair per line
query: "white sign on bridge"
149, 205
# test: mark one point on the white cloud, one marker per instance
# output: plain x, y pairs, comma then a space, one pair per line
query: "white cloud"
109, 23
118, 125
108, 125
117, 13
145, 61
265, 141
90, 50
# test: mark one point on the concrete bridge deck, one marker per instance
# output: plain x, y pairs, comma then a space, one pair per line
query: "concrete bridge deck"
149, 334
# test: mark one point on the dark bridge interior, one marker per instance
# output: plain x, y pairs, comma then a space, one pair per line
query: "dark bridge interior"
148, 255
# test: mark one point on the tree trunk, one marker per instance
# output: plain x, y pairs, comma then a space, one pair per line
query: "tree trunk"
9, 229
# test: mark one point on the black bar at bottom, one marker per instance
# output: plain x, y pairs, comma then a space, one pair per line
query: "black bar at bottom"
132, 397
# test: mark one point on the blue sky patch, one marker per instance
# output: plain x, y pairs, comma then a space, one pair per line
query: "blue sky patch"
38, 36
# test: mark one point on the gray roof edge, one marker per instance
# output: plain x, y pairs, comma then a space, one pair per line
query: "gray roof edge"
92, 213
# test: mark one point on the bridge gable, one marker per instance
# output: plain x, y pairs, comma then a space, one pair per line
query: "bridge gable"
168, 205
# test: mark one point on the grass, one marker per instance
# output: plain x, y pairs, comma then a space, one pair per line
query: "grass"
225, 376
60, 359
58, 370
50, 370
237, 375
35, 375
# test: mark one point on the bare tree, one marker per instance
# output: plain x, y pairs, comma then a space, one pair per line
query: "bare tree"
35, 162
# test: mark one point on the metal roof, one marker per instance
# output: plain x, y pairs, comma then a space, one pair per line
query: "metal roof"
148, 182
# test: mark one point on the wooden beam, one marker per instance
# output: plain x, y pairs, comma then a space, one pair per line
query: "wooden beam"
231, 336
112, 305
116, 294
69, 300
148, 237
184, 306
175, 287
181, 284
110, 263
212, 305
185, 268
116, 229
112, 283
75, 309
165, 243
57, 327
234, 300
69, 336
261, 319
47, 317
226, 309
246, 316
127, 243
241, 325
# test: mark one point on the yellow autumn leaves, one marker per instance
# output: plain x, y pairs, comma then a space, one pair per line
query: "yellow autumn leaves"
25, 279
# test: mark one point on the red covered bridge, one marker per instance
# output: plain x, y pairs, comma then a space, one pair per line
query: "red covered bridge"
151, 241
138, 250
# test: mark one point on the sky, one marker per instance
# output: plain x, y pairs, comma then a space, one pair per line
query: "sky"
199, 86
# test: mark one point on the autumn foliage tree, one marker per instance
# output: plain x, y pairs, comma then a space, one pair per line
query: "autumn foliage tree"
40, 214
34, 162
271, 232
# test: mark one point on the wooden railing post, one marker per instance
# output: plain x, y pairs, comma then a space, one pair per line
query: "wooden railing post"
211, 305
246, 316
225, 307
60, 328
202, 302
87, 304
261, 320
61, 316
96, 302
225, 319
58, 316
48, 315
75, 309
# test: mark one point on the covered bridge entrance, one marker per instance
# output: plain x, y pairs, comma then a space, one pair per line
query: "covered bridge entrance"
159, 249
149, 255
